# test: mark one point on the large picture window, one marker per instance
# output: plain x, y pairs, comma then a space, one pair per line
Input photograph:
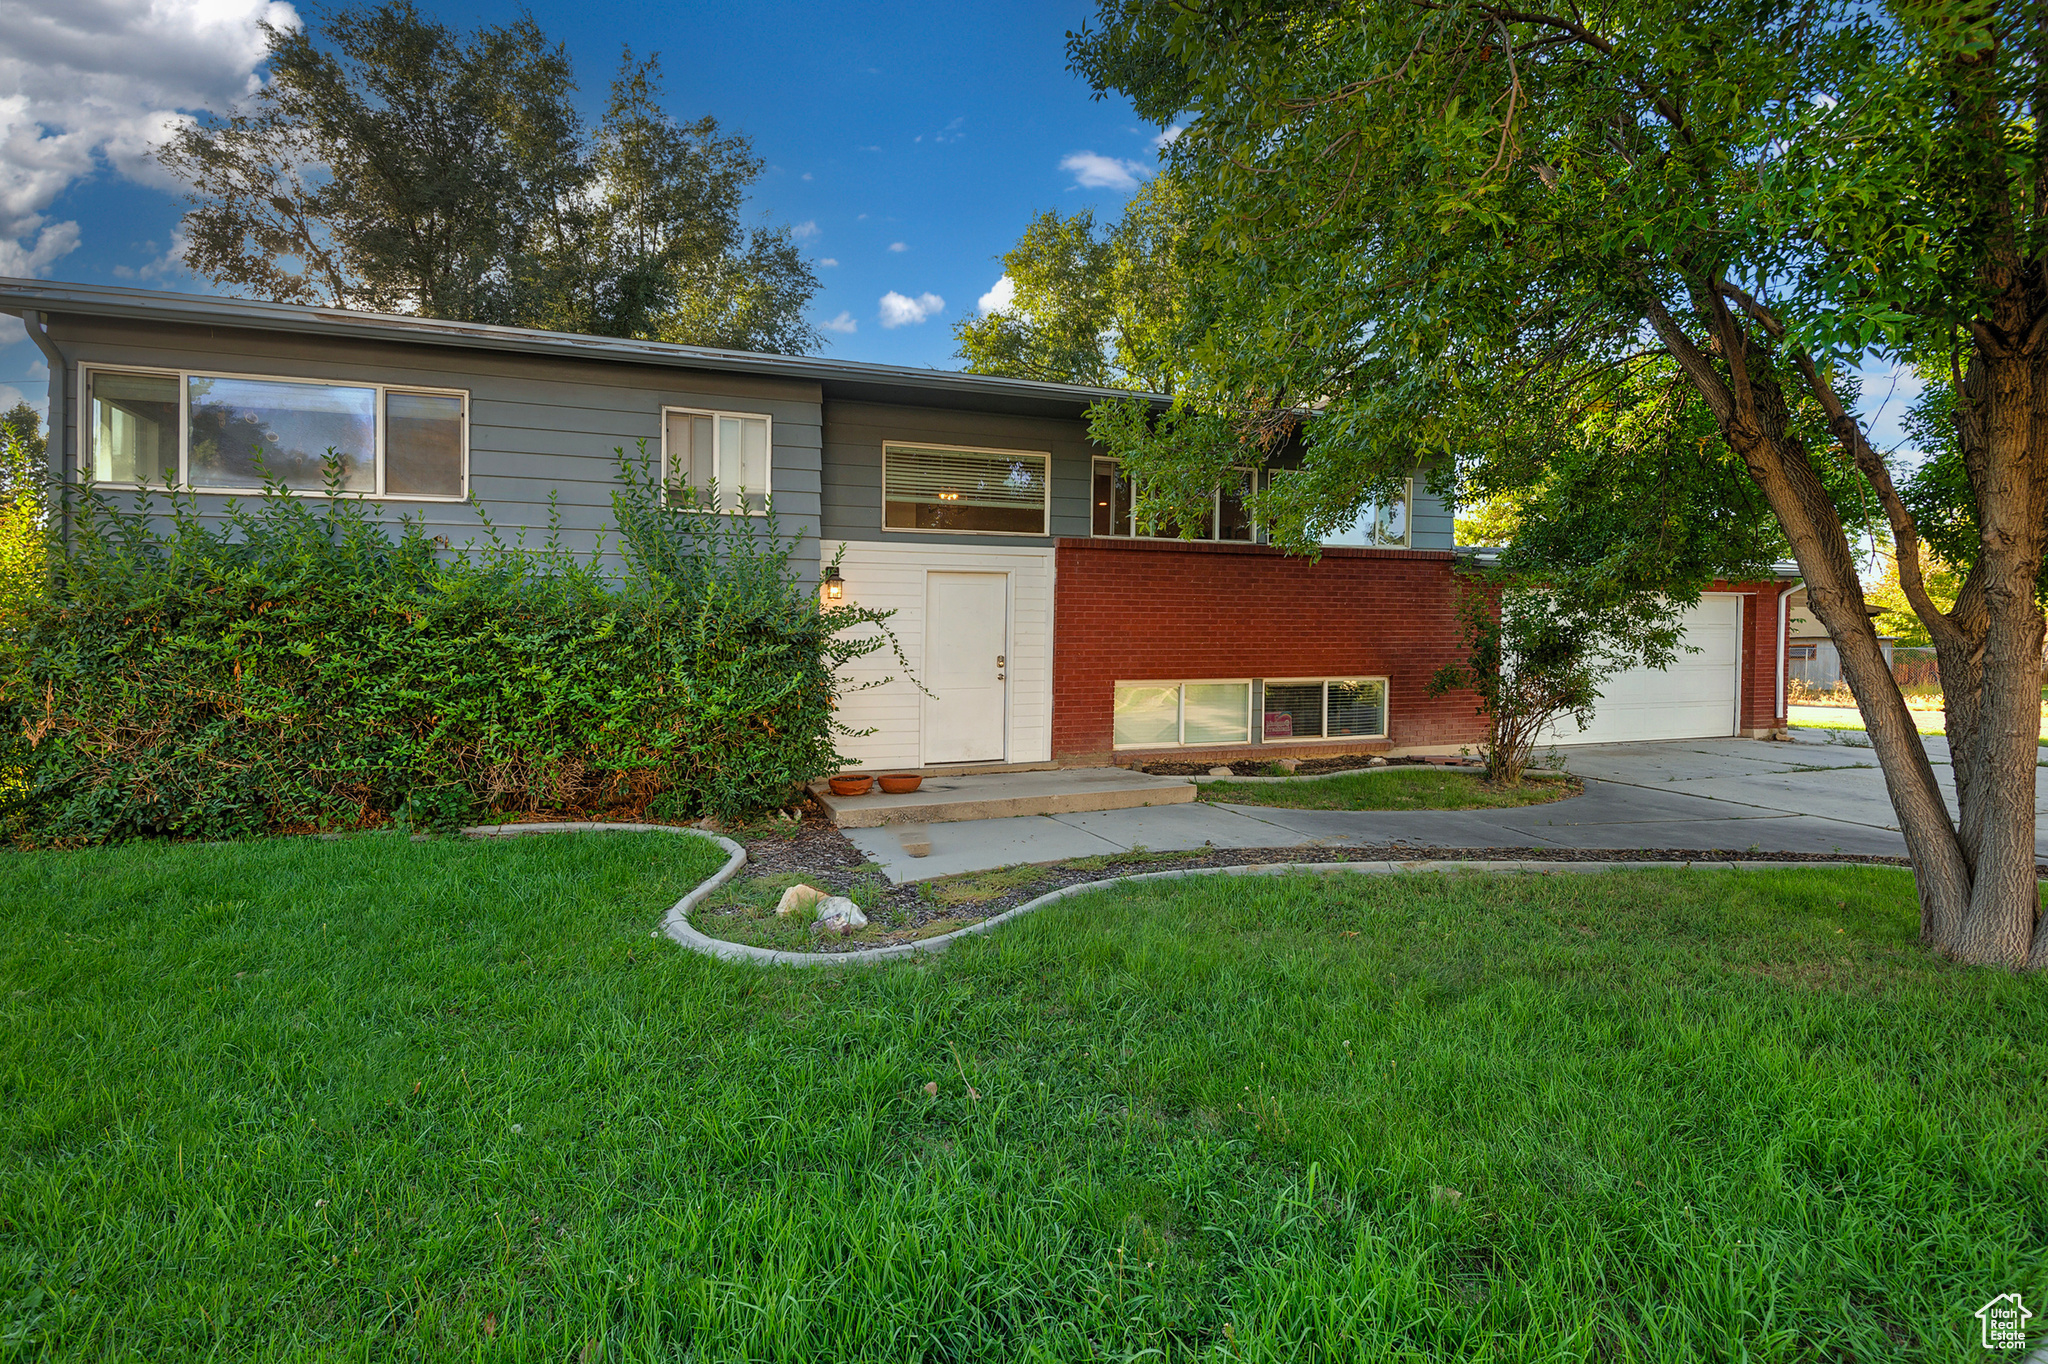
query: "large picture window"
722, 457
233, 433
966, 492
1114, 505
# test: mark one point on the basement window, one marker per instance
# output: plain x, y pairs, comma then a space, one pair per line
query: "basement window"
1172, 714
1331, 708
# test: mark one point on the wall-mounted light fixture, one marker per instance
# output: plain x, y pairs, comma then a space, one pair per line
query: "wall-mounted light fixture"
835, 586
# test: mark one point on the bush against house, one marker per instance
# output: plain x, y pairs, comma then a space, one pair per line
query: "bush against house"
297, 667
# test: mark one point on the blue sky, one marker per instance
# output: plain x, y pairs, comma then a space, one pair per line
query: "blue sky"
907, 144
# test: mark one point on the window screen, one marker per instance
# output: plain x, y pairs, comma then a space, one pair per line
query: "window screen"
963, 490
423, 444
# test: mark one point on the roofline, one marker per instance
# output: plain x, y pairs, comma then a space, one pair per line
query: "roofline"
94, 300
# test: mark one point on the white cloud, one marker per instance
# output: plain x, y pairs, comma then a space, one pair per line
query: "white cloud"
899, 311
898, 246
10, 395
1167, 136
807, 175
804, 231
1103, 172
170, 263
103, 82
828, 261
1000, 298
843, 324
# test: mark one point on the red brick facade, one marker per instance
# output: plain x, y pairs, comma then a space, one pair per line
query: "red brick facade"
1763, 658
1168, 610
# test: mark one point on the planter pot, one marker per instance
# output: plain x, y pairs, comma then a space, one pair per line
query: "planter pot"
851, 786
901, 786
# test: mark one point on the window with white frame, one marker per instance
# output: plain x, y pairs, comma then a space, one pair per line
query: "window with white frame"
1375, 526
965, 492
721, 457
1114, 505
235, 433
1169, 714
1324, 708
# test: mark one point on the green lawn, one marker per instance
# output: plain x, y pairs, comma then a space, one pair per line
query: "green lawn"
377, 1100
1412, 789
1847, 717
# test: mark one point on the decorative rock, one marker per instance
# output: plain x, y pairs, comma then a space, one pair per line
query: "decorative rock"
799, 898
837, 914
1291, 764
1376, 762
1220, 772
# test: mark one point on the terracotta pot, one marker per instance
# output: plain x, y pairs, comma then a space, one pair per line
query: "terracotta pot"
901, 785
851, 786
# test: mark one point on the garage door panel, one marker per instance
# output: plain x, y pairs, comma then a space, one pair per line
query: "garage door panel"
1692, 699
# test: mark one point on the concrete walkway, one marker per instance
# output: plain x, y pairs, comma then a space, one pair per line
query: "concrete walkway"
1815, 795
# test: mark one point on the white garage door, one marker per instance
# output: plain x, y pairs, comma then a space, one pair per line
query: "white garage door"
1692, 699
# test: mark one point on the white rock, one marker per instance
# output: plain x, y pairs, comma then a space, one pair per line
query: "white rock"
1220, 772
1377, 762
799, 898
836, 913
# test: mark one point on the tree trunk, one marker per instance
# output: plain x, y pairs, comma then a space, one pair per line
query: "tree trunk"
1975, 876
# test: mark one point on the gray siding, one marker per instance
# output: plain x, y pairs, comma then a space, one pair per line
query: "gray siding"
1430, 519
538, 425
854, 432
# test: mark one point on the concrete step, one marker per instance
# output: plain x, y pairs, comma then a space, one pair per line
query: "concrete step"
999, 795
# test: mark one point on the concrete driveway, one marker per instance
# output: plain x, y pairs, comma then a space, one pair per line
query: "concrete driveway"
1817, 794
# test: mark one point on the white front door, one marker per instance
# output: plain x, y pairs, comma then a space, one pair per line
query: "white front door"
967, 639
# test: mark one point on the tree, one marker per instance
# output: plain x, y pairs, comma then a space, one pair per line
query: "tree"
1898, 620
1104, 309
1534, 658
392, 164
1440, 224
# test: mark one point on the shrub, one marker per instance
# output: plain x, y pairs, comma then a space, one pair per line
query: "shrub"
297, 665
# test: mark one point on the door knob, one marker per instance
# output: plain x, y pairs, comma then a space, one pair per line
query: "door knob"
999, 660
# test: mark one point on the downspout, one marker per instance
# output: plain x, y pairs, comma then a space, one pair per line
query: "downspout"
59, 425
1784, 616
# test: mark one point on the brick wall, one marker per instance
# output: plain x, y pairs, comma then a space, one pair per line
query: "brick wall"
1760, 657
1140, 610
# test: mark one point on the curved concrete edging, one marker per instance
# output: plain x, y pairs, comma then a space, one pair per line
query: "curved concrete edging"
679, 928
676, 923
1543, 775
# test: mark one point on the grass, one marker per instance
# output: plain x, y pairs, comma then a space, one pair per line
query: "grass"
370, 1099
1927, 722
1419, 789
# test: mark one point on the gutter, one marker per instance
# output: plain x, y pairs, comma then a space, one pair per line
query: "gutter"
1784, 615
55, 451
91, 300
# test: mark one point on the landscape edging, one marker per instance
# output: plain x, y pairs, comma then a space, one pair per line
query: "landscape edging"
1542, 774
676, 923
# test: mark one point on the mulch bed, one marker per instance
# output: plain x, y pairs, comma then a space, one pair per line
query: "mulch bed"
1310, 767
